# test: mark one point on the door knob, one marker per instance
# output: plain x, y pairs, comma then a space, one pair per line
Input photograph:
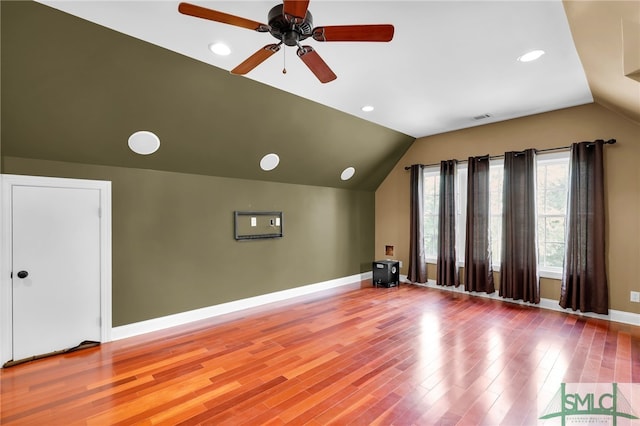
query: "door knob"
23, 274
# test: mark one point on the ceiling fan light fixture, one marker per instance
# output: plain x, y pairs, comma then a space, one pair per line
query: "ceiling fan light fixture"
347, 173
269, 162
531, 56
144, 142
220, 49
367, 108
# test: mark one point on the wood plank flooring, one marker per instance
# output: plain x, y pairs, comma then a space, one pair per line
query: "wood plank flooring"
360, 355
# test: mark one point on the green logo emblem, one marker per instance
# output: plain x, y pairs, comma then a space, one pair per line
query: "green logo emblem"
587, 400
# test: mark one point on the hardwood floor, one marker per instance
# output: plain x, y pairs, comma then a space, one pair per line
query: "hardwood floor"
363, 356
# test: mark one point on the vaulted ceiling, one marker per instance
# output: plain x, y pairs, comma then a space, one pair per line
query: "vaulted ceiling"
79, 77
607, 37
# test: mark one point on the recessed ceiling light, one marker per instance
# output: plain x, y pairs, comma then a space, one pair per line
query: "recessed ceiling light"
144, 142
269, 162
219, 49
367, 108
347, 173
531, 56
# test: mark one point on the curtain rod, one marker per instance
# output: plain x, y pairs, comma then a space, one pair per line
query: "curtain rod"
560, 148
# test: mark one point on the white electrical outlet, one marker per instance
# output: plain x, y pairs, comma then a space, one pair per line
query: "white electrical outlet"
400, 263
635, 296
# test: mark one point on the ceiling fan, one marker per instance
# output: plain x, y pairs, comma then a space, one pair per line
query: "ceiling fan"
290, 23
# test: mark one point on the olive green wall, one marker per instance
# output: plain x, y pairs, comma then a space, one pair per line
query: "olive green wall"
173, 238
549, 130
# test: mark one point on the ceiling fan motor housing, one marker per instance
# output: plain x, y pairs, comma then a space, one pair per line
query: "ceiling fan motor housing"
290, 33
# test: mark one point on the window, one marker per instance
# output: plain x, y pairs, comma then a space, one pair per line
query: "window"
551, 199
461, 211
431, 188
496, 173
552, 174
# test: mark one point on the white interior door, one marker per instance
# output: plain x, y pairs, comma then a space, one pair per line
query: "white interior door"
56, 241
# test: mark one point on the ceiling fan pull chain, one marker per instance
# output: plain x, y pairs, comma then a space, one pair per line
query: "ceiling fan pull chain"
284, 61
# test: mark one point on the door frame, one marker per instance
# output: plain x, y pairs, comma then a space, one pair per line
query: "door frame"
6, 261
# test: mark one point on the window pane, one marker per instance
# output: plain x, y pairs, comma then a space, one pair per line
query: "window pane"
554, 255
496, 172
430, 244
542, 255
552, 184
556, 176
496, 235
556, 201
554, 229
541, 200
430, 208
431, 224
542, 234
461, 210
431, 193
431, 189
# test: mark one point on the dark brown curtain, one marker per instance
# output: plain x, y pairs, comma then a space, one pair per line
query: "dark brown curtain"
417, 261
584, 279
478, 272
447, 269
519, 262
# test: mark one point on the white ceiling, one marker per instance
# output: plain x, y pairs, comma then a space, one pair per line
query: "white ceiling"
449, 61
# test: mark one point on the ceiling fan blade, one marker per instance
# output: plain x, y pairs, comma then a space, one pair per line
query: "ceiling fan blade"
382, 32
295, 10
225, 18
256, 59
316, 64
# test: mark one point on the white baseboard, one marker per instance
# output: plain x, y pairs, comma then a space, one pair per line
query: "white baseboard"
156, 324
614, 315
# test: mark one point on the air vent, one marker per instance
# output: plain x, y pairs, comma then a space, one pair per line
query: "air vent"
481, 117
